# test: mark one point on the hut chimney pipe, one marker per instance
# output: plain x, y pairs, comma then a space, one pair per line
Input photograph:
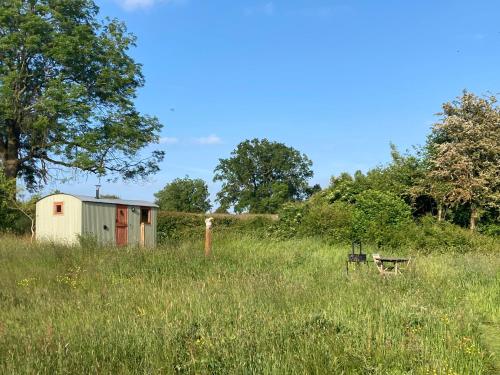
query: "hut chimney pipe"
97, 193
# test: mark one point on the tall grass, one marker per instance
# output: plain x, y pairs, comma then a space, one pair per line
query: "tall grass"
254, 307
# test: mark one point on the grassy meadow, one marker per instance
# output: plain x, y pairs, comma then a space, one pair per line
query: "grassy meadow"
257, 306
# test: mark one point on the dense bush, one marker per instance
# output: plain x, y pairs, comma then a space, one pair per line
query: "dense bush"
378, 219
289, 221
433, 236
491, 229
315, 218
331, 221
382, 219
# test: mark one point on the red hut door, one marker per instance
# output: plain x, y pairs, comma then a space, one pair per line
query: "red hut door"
121, 226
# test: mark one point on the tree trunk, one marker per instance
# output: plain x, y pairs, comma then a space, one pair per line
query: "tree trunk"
10, 167
440, 212
9, 149
474, 215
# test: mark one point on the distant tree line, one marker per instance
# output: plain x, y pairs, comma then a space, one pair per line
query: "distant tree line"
67, 90
455, 176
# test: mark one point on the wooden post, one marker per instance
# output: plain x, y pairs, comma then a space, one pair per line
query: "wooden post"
143, 235
208, 236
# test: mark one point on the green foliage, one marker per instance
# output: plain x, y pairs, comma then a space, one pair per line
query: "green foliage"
173, 226
464, 153
176, 226
490, 229
24, 211
347, 211
7, 192
290, 219
443, 237
489, 223
318, 218
345, 188
16, 214
221, 210
333, 222
261, 175
399, 176
455, 176
311, 190
256, 307
184, 195
351, 210
381, 218
67, 90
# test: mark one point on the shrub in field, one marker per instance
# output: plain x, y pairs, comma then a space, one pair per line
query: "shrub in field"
333, 221
492, 229
382, 219
15, 214
289, 222
315, 218
440, 236
175, 226
490, 222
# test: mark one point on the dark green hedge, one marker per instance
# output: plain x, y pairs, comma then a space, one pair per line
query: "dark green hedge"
379, 220
336, 223
175, 226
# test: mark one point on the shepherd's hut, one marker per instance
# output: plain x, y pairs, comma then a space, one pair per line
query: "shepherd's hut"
65, 218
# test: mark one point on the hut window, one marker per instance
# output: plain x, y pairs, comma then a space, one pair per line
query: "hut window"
58, 208
146, 215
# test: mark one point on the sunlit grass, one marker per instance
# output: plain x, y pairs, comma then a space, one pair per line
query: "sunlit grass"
257, 306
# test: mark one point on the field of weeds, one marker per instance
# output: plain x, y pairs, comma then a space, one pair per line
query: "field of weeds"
256, 306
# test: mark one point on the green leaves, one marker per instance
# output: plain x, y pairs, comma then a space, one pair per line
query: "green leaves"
7, 193
184, 195
381, 218
67, 90
261, 175
464, 154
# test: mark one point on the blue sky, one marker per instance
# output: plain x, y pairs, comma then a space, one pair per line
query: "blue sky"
338, 80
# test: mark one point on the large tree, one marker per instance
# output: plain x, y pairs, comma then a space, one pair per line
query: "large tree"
261, 175
464, 153
67, 89
184, 195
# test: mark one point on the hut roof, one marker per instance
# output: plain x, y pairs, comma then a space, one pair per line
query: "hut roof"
124, 202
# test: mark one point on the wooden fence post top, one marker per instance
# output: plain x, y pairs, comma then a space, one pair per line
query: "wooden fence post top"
208, 236
208, 222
